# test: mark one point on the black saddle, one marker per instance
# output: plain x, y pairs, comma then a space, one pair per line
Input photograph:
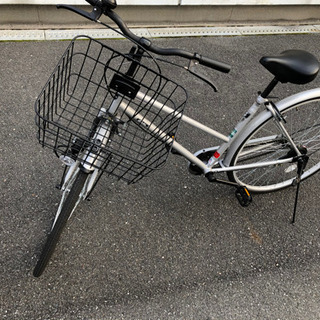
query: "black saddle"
294, 66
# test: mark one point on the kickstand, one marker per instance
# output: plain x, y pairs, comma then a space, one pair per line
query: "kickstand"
302, 162
295, 203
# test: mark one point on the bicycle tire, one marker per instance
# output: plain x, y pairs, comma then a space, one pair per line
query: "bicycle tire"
303, 125
59, 225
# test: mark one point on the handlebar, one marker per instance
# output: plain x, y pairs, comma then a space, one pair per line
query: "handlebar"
148, 45
106, 7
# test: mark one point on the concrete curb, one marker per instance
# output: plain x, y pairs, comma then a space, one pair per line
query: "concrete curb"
67, 34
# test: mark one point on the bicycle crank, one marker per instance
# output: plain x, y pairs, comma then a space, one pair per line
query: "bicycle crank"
242, 193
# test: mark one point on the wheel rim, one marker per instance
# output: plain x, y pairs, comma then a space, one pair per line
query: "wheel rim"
268, 144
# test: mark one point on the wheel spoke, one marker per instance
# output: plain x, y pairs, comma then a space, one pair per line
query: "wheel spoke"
266, 143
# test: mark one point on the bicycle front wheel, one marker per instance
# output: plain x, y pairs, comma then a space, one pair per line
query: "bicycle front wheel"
265, 143
67, 209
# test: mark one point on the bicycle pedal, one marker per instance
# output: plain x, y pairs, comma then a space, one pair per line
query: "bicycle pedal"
243, 196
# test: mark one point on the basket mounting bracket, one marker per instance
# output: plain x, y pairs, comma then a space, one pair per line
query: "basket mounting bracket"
124, 86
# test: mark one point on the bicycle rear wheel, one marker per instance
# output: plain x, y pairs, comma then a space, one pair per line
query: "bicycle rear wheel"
266, 143
67, 209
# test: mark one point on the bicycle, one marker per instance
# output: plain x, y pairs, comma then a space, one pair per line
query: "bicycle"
107, 112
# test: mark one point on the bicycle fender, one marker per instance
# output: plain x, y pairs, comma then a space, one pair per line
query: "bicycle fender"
307, 95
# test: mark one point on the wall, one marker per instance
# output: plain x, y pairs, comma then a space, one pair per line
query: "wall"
31, 14
170, 2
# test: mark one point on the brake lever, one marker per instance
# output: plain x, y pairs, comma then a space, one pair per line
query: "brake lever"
192, 69
94, 15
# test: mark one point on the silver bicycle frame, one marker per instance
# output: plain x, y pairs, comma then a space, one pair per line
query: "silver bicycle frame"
220, 161
222, 154
221, 151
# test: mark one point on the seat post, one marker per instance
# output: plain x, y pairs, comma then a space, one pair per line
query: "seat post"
269, 88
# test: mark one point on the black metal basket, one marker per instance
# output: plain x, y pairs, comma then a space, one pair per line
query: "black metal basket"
80, 86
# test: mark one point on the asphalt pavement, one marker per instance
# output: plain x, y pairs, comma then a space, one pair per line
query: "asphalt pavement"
172, 246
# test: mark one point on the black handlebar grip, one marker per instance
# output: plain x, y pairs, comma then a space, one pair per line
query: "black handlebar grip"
217, 65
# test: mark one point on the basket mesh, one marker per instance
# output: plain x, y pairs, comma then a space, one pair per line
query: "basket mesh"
80, 86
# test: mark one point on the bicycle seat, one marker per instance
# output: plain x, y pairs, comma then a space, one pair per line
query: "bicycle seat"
294, 66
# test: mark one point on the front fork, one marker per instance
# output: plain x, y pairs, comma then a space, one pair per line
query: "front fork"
91, 160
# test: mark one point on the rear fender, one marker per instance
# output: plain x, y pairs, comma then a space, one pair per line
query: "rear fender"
300, 97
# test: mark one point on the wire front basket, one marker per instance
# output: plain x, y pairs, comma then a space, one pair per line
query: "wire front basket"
81, 86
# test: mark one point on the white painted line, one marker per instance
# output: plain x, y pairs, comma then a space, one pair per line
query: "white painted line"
24, 35
193, 32
21, 35
93, 33
277, 29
